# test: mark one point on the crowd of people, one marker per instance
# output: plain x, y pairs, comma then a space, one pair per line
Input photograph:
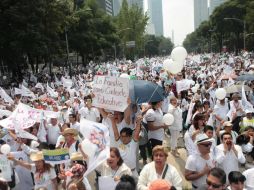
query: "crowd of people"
218, 132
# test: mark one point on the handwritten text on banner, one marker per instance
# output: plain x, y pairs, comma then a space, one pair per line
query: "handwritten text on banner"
111, 92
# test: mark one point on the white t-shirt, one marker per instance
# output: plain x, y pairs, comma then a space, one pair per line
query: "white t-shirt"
178, 119
44, 180
91, 114
221, 111
53, 133
249, 183
76, 126
156, 117
197, 163
128, 153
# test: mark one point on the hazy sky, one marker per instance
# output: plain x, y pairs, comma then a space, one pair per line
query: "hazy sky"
178, 17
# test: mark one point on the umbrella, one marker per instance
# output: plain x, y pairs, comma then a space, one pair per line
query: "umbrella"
144, 91
237, 88
247, 77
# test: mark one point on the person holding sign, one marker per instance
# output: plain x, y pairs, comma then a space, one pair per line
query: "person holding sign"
121, 119
44, 174
127, 144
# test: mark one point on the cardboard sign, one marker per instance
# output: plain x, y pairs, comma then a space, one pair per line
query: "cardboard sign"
111, 93
57, 156
5, 168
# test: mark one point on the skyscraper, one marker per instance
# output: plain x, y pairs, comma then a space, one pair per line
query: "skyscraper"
214, 4
118, 3
106, 5
200, 12
155, 23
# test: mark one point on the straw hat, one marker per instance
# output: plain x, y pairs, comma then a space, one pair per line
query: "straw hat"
77, 156
70, 131
37, 156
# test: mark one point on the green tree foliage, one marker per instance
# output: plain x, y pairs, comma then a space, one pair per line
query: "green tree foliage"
224, 31
94, 32
131, 24
157, 45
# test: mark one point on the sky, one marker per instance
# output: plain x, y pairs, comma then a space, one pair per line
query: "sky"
178, 16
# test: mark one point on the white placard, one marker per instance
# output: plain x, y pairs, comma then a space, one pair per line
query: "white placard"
107, 183
182, 85
5, 168
111, 93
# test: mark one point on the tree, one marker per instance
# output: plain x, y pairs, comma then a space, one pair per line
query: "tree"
131, 23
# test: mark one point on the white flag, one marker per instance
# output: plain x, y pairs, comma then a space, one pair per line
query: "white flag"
246, 104
27, 92
51, 92
5, 96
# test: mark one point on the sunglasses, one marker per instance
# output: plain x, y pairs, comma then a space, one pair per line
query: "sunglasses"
207, 145
215, 186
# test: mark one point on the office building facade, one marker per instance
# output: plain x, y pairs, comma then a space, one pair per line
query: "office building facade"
155, 23
106, 5
200, 12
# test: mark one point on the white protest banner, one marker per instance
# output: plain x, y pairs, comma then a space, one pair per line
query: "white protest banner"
111, 93
106, 183
96, 144
24, 117
183, 85
246, 104
5, 168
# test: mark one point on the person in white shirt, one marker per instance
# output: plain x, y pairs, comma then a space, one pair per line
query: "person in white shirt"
73, 122
176, 127
88, 112
53, 132
227, 128
221, 110
155, 124
229, 155
127, 144
159, 169
249, 174
198, 165
236, 180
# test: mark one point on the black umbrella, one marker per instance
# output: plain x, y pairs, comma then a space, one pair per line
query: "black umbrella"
145, 91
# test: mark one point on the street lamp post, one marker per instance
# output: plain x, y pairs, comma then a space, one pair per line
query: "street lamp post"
244, 29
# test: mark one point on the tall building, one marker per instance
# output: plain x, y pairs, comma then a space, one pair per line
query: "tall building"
214, 4
200, 12
118, 3
155, 23
106, 5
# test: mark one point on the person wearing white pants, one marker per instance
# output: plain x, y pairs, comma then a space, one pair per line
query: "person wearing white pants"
176, 127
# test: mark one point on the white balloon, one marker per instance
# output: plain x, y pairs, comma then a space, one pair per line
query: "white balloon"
175, 66
88, 147
166, 64
179, 54
125, 75
220, 93
168, 119
5, 149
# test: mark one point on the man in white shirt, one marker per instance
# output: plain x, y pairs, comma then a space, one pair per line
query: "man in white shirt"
73, 122
198, 165
88, 112
229, 155
127, 144
53, 132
